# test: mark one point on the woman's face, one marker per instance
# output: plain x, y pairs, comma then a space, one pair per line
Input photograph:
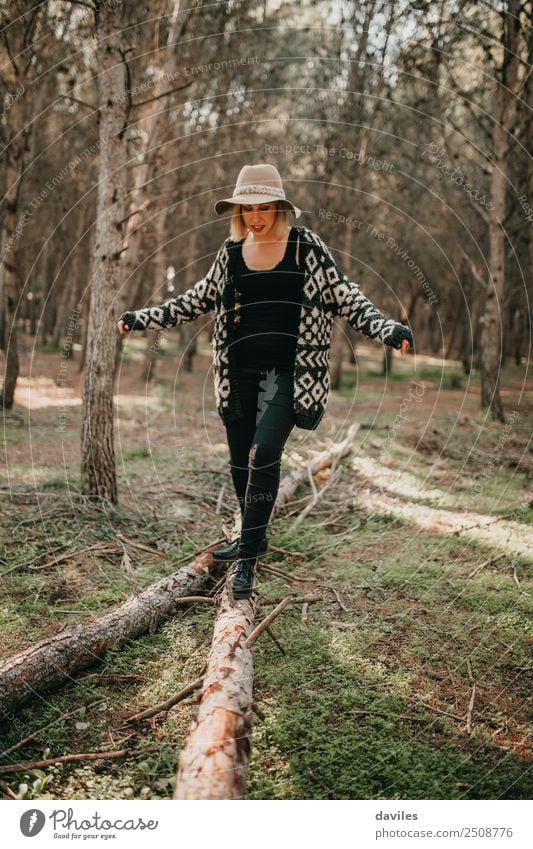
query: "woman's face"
259, 217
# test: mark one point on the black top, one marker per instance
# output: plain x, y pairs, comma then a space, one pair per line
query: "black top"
267, 311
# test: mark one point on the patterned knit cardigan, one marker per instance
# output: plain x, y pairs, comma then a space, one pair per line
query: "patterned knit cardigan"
327, 292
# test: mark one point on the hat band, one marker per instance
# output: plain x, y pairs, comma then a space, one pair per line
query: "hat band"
252, 189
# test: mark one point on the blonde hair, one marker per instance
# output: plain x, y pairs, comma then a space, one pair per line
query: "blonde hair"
238, 229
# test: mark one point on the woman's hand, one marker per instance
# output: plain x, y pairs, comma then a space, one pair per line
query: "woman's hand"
405, 346
127, 322
401, 338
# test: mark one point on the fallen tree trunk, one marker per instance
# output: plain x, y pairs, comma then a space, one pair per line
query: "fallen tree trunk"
291, 482
52, 661
213, 762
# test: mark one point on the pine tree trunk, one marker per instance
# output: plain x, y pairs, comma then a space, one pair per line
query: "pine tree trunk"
154, 125
387, 360
75, 286
98, 455
491, 331
495, 293
53, 661
189, 331
153, 341
9, 285
353, 338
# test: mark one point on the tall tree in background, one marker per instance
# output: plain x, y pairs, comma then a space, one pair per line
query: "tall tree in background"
365, 86
527, 124
153, 123
21, 24
98, 455
349, 131
506, 78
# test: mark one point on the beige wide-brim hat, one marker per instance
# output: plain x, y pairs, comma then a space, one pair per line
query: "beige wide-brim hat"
257, 184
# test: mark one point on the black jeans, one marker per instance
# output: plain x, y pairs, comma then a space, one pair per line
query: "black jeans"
256, 443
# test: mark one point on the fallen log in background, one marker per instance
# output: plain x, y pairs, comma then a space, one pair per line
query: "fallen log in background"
213, 762
291, 482
52, 661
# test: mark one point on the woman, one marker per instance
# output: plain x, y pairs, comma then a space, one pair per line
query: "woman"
275, 290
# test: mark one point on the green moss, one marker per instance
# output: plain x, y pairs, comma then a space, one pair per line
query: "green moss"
330, 734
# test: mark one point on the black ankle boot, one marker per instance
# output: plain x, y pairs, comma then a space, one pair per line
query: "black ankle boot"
242, 579
231, 551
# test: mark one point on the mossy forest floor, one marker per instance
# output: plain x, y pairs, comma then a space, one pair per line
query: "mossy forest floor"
410, 683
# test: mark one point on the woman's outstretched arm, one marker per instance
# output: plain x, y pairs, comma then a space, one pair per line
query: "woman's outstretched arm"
196, 301
349, 302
